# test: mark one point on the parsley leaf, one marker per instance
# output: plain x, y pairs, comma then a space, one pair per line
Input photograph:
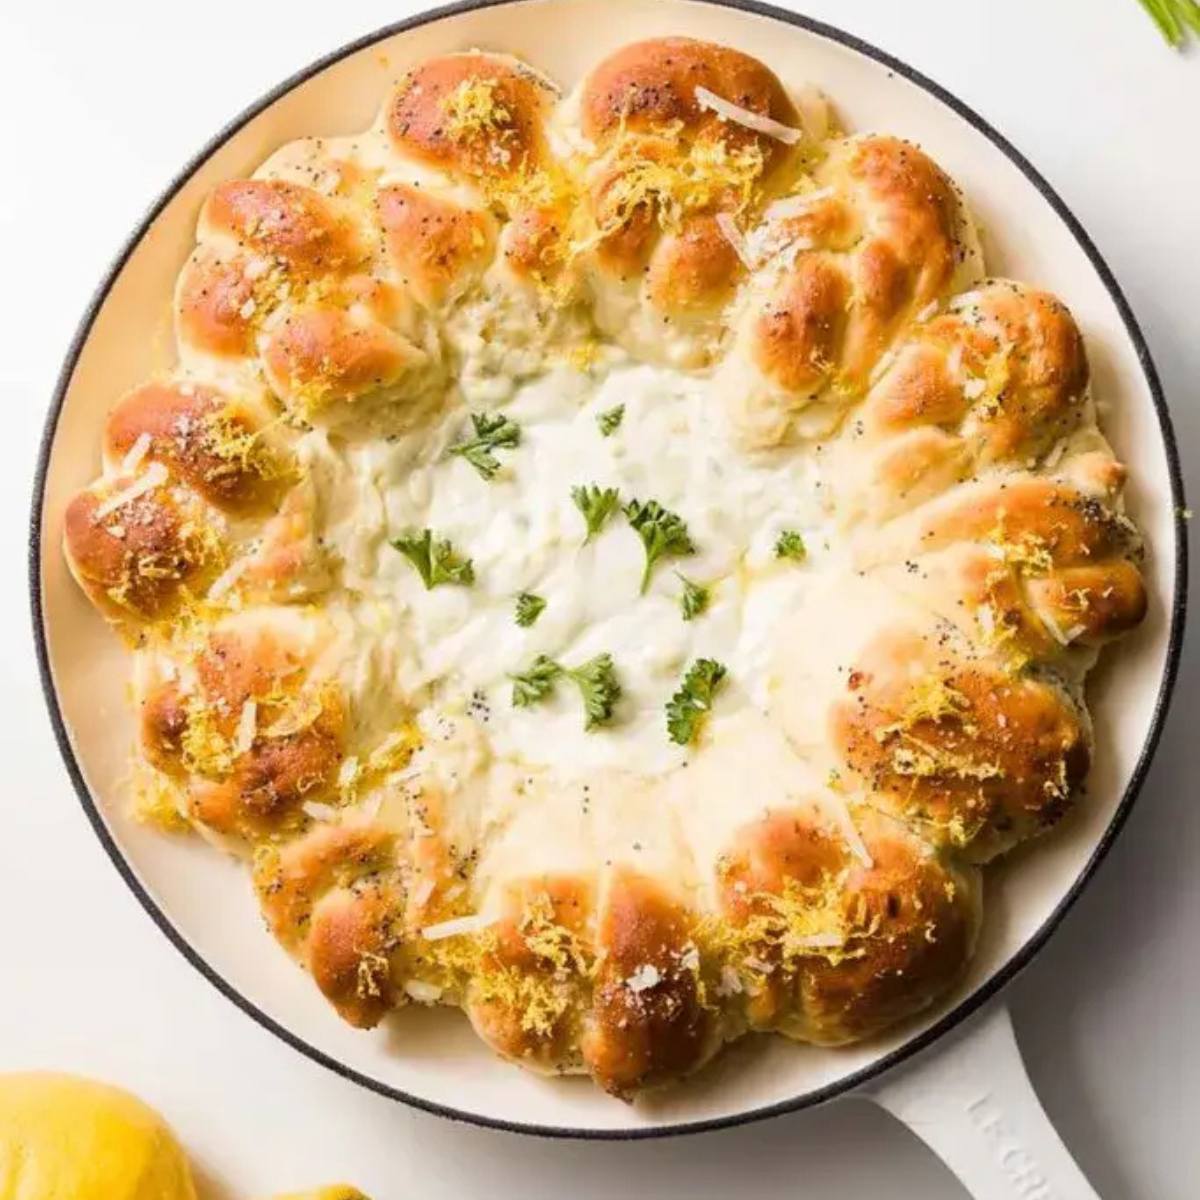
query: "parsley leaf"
534, 685
610, 419
434, 558
791, 545
598, 684
596, 679
529, 608
493, 431
691, 704
597, 504
662, 532
694, 598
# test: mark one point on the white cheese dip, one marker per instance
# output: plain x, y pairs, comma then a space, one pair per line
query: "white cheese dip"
459, 645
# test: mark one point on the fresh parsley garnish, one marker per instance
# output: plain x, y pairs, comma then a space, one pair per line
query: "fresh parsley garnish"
596, 679
790, 544
534, 685
598, 684
663, 533
434, 558
610, 419
529, 608
597, 504
1172, 16
691, 704
493, 431
694, 598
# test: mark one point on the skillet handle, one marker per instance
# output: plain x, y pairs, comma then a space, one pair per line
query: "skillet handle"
972, 1103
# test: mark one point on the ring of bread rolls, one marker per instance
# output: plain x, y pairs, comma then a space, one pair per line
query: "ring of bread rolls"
704, 217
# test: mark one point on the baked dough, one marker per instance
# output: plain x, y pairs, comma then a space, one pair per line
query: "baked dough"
784, 329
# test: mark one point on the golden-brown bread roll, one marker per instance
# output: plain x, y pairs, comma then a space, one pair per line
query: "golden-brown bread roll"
666, 168
881, 237
248, 725
334, 897
135, 544
212, 442
961, 749
831, 946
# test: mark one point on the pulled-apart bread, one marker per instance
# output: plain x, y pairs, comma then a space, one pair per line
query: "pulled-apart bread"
613, 563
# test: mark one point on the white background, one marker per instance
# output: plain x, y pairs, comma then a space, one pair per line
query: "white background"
100, 104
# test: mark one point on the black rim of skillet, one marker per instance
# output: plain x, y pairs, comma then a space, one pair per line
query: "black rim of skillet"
966, 1006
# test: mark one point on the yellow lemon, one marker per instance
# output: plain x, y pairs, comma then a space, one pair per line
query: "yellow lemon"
64, 1138
339, 1191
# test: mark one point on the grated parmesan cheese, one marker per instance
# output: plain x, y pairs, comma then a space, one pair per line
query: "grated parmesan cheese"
645, 977
731, 982
883, 366
422, 892
347, 772
456, 927
227, 579
733, 235
422, 992
965, 300
1055, 629
728, 111
247, 722
853, 838
155, 476
319, 811
1054, 457
137, 452
796, 206
819, 941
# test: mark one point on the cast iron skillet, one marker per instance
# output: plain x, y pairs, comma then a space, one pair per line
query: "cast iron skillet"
192, 895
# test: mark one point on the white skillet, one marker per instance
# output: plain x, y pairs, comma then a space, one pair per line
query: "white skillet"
969, 1098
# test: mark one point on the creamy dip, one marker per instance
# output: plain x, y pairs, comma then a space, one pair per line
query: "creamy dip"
460, 645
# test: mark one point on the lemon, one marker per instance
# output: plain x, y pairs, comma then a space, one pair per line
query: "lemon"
64, 1138
337, 1192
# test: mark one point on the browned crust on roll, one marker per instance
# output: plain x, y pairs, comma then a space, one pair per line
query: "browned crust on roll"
247, 787
1053, 565
893, 225
215, 304
438, 247
533, 982
354, 935
799, 333
839, 948
969, 753
478, 114
649, 84
998, 381
640, 109
206, 439
316, 357
135, 563
269, 781
308, 231
696, 271
333, 898
646, 1024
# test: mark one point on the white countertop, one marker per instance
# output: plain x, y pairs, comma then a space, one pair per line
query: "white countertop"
99, 105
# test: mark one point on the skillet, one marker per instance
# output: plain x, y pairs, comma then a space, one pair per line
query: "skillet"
201, 902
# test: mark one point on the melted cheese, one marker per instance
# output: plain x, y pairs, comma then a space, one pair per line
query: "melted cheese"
456, 647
